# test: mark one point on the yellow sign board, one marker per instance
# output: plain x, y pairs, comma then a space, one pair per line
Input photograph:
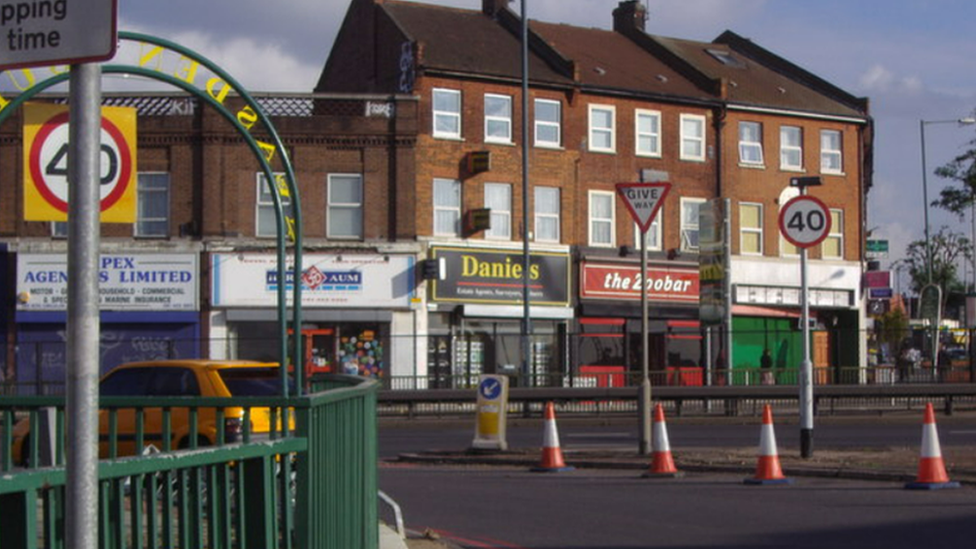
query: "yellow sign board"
46, 163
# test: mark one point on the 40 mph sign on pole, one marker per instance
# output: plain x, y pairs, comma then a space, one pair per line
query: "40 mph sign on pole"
805, 221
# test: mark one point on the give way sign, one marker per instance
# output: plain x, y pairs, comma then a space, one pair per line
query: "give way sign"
643, 200
46, 164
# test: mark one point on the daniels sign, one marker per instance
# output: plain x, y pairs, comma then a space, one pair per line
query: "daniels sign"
614, 281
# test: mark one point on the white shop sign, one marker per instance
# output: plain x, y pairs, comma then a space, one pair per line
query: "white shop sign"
126, 282
328, 280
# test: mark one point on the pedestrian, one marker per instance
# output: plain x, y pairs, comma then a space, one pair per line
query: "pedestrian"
766, 367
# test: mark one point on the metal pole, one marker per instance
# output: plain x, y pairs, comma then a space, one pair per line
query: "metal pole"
526, 260
925, 204
806, 368
83, 322
644, 400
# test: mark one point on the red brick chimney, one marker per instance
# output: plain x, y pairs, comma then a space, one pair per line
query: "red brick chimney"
629, 14
492, 7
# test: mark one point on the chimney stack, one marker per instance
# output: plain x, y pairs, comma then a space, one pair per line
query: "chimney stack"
629, 15
492, 7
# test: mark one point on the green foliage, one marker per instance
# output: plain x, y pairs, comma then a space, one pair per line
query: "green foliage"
894, 327
947, 248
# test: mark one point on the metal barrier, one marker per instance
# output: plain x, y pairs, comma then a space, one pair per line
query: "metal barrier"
314, 488
716, 400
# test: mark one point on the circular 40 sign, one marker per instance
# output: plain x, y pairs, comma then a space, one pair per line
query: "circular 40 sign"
46, 158
804, 221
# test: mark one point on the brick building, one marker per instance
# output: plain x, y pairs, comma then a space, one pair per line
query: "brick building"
727, 123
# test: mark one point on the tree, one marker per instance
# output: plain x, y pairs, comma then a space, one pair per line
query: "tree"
962, 198
947, 248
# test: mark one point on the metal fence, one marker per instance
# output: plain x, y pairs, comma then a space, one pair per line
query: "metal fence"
313, 488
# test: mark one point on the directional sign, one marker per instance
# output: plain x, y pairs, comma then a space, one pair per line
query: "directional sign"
56, 32
643, 200
46, 164
804, 221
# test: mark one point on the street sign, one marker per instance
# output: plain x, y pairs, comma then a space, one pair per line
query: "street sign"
880, 293
643, 200
805, 181
804, 221
46, 163
56, 32
876, 249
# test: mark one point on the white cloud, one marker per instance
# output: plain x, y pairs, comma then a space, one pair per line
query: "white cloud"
879, 79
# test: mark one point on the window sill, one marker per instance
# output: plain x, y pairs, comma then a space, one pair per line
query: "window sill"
500, 143
549, 147
752, 166
792, 169
447, 137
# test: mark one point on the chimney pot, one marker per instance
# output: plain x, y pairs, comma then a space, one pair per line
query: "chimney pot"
492, 7
629, 15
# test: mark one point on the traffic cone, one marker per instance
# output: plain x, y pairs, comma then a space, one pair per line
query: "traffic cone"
768, 470
931, 469
552, 455
662, 463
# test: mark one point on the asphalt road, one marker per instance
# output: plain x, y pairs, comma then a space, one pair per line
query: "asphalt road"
515, 509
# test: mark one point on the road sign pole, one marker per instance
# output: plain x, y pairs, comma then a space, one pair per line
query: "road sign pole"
83, 319
644, 402
806, 368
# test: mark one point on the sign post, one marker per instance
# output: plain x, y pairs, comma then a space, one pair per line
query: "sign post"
643, 200
805, 221
78, 33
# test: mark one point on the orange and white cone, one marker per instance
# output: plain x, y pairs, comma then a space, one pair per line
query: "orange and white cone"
662, 462
552, 455
768, 470
931, 468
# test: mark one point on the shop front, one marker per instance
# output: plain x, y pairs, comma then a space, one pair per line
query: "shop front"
149, 309
607, 343
477, 310
357, 311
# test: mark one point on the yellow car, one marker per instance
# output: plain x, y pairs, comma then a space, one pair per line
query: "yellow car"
169, 378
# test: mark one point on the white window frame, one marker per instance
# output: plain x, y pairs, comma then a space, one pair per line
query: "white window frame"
689, 225
59, 229
334, 206
746, 231
556, 125
836, 234
654, 134
611, 131
445, 114
501, 210
504, 120
552, 215
143, 191
593, 221
787, 149
454, 210
265, 203
746, 145
829, 157
654, 235
691, 140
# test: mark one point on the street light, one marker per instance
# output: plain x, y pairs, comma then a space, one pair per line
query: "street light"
925, 208
925, 187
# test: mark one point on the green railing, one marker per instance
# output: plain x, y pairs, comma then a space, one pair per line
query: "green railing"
313, 488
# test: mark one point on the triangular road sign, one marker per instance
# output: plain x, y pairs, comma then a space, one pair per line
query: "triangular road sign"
643, 200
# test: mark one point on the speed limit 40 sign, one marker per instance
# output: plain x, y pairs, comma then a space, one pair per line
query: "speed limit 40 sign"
46, 164
804, 221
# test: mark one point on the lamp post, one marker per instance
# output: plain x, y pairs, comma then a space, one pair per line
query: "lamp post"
925, 208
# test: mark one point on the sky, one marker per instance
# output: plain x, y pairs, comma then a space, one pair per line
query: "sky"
914, 60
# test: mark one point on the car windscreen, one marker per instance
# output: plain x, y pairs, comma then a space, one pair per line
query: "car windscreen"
254, 381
